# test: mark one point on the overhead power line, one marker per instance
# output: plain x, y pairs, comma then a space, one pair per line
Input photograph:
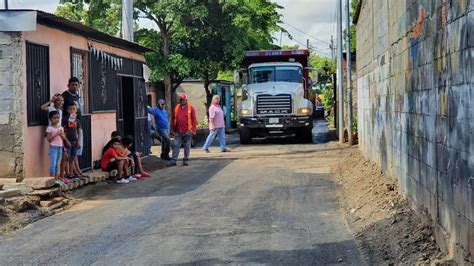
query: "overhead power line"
311, 48
303, 32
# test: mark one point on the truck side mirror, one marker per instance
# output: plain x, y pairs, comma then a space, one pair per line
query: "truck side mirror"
240, 77
244, 92
244, 78
237, 77
313, 80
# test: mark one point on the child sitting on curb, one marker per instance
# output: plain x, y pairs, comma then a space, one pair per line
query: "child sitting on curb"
113, 159
127, 143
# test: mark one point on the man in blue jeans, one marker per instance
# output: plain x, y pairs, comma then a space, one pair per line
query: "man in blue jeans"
184, 128
162, 127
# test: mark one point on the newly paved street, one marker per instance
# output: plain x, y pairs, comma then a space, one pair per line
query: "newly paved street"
266, 203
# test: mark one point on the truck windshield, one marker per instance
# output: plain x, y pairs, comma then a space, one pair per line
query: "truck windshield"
278, 73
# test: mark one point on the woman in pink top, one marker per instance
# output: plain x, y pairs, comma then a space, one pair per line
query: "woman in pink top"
56, 137
216, 125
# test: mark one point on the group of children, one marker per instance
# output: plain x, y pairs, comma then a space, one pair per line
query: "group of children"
64, 136
117, 155
63, 133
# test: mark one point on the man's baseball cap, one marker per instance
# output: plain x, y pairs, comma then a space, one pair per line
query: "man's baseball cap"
183, 96
161, 101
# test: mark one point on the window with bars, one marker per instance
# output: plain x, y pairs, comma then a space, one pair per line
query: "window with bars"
80, 69
37, 83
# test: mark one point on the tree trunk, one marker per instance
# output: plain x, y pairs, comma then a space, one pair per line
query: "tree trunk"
207, 83
168, 81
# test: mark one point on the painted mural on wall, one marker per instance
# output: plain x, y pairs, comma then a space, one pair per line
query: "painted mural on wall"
416, 105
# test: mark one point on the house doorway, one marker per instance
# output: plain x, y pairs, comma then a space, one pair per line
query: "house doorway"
132, 119
128, 112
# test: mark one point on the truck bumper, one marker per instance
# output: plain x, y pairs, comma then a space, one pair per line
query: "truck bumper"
265, 126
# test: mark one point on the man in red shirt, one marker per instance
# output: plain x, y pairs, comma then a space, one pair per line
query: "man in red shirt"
184, 127
113, 159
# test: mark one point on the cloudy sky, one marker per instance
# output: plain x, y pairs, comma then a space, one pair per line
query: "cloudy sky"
303, 19
308, 19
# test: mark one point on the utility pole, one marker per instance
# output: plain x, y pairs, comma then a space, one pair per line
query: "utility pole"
349, 74
281, 36
334, 84
127, 20
307, 44
331, 46
6, 4
340, 74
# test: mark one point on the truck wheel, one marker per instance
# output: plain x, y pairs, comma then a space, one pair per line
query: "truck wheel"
305, 135
245, 136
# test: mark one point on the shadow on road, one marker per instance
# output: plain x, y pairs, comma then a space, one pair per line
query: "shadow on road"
322, 254
166, 181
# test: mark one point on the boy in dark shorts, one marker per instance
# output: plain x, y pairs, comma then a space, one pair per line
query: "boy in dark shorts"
127, 143
72, 128
114, 160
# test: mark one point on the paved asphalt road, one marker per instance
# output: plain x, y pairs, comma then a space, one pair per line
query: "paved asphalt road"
266, 203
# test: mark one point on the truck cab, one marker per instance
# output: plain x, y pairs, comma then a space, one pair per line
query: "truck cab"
274, 98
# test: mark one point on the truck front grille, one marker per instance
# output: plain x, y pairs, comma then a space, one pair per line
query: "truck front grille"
274, 104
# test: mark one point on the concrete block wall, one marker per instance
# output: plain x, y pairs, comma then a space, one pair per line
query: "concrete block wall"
415, 80
11, 111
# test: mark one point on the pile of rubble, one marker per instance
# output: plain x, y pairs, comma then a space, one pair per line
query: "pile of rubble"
24, 202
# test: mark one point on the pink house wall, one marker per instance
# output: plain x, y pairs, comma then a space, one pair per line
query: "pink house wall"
36, 162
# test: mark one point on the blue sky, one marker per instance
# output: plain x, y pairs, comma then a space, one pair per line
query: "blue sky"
304, 19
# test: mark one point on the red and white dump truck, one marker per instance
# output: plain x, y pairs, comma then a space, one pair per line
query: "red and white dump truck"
275, 95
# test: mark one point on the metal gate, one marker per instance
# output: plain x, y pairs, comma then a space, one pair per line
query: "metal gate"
142, 131
119, 106
85, 161
79, 69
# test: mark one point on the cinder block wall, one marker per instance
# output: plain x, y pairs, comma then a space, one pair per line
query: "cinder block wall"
11, 111
415, 62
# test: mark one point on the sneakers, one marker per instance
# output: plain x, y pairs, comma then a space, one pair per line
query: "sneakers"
138, 177
185, 163
207, 150
225, 150
65, 180
171, 164
131, 179
145, 174
122, 181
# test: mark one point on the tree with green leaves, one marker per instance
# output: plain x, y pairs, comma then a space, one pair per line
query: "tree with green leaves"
194, 38
226, 31
103, 15
325, 68
173, 40
170, 17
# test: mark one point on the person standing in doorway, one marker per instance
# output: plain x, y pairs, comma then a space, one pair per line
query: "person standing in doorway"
184, 127
71, 97
72, 128
162, 128
216, 125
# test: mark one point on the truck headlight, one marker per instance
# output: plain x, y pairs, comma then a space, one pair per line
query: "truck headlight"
304, 111
245, 112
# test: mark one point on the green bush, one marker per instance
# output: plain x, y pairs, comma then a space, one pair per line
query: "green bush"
328, 98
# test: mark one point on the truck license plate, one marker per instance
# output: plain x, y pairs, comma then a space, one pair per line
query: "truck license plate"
274, 120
